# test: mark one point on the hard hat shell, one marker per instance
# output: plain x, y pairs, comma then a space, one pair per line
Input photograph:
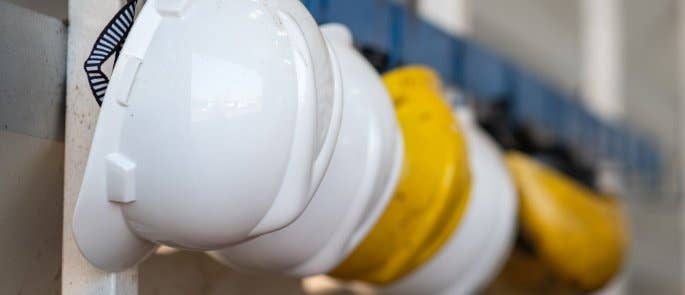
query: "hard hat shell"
580, 236
482, 241
433, 189
466, 247
218, 124
358, 184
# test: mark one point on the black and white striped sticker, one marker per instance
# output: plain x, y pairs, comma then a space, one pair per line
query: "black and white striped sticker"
109, 43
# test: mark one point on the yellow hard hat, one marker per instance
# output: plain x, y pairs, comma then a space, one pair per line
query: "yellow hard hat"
433, 189
578, 237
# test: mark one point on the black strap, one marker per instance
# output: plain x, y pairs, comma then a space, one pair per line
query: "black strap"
109, 43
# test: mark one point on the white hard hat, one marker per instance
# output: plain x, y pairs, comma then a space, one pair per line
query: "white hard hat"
356, 188
218, 125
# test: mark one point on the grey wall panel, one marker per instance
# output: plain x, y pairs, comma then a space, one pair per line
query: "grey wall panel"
31, 173
32, 72
54, 8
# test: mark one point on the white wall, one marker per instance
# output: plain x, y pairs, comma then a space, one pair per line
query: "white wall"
652, 86
542, 35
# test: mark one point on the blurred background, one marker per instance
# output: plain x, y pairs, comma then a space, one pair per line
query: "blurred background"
619, 62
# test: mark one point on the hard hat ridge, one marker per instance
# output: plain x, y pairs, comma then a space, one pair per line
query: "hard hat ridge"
247, 131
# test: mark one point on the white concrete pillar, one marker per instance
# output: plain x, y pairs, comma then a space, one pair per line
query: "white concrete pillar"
602, 57
602, 82
86, 19
453, 16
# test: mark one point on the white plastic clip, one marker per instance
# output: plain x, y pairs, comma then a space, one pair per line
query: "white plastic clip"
121, 181
172, 8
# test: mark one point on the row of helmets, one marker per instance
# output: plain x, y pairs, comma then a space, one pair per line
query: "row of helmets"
243, 129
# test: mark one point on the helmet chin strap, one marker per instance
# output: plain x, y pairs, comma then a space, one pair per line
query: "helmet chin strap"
109, 43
